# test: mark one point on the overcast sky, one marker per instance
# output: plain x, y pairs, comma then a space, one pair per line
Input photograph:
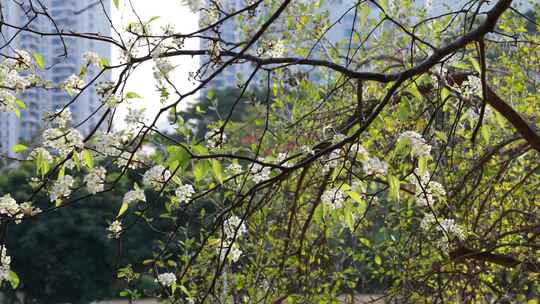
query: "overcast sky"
142, 82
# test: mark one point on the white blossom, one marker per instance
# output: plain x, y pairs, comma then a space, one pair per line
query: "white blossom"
427, 190
232, 226
91, 58
73, 84
166, 279
419, 147
61, 188
10, 208
95, 180
234, 169
29, 210
156, 177
375, 166
184, 193
5, 264
61, 118
134, 117
359, 152
40, 153
7, 101
333, 198
63, 141
134, 196
215, 138
114, 229
107, 143
259, 173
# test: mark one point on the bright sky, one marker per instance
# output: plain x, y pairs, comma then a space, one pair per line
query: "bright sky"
142, 82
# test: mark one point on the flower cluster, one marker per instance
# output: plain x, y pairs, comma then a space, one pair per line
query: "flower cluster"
12, 82
107, 143
63, 141
234, 169
259, 173
471, 87
73, 85
10, 208
271, 48
95, 180
40, 153
427, 190
156, 177
163, 66
61, 188
166, 279
215, 138
5, 264
333, 198
419, 147
359, 152
375, 166
231, 227
114, 229
136, 195
61, 118
184, 193
91, 58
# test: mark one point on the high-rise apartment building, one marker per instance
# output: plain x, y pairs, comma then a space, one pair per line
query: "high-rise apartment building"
63, 57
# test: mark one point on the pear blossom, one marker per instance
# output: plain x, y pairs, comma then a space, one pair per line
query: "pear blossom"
95, 180
61, 188
10, 208
156, 177
215, 138
232, 226
333, 198
29, 210
114, 229
184, 193
166, 279
375, 166
5, 264
259, 173
73, 84
40, 153
419, 147
234, 169
136, 195
91, 58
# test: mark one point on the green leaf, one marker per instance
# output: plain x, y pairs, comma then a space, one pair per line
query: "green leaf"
217, 171
422, 165
413, 89
88, 159
179, 155
358, 198
365, 242
475, 65
349, 219
18, 148
200, 170
378, 260
39, 60
116, 4
123, 209
20, 103
393, 182
103, 63
444, 93
184, 290
131, 95
13, 279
